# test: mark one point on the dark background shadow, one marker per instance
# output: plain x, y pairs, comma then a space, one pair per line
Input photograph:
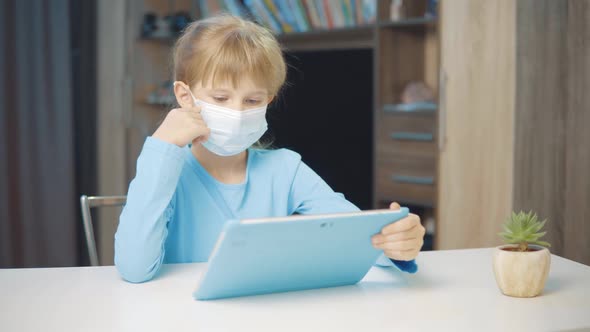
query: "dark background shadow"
325, 114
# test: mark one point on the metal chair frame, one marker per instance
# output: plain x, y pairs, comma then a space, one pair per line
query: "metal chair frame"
88, 202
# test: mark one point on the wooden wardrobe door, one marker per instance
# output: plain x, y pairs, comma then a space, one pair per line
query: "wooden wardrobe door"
476, 121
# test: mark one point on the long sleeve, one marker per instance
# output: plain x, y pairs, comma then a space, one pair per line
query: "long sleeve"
142, 231
311, 195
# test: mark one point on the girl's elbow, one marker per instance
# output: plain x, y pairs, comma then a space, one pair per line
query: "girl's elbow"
135, 273
136, 269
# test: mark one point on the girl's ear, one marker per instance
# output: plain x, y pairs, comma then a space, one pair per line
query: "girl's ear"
183, 95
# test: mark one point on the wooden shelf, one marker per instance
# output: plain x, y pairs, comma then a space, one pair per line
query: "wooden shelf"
160, 39
415, 22
413, 108
360, 37
357, 37
157, 105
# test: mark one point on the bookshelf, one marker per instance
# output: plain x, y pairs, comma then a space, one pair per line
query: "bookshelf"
405, 135
347, 38
403, 50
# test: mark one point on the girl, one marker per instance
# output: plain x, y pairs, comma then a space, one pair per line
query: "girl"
199, 168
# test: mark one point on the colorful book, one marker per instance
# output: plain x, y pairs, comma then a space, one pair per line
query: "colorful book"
223, 5
369, 11
252, 9
359, 12
346, 12
303, 14
328, 14
312, 13
203, 8
236, 7
273, 21
337, 14
209, 7
263, 15
297, 14
287, 13
319, 5
285, 25
352, 4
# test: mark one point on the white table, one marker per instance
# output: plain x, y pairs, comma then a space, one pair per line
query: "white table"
453, 291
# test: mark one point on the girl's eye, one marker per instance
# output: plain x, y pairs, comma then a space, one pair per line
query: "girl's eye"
220, 99
252, 101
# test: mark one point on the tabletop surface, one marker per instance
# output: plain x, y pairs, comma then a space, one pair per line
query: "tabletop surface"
453, 290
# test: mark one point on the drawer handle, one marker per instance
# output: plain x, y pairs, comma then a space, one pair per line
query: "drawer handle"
424, 180
408, 136
418, 107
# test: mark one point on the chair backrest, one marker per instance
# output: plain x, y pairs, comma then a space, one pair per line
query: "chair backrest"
87, 202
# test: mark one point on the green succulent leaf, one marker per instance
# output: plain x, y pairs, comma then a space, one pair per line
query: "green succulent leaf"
523, 227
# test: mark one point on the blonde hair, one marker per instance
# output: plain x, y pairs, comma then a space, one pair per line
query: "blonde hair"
226, 48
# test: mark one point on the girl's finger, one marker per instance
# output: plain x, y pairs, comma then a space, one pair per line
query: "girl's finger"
415, 232
402, 225
194, 110
394, 206
401, 245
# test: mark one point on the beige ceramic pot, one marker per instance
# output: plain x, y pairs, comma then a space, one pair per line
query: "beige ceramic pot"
521, 274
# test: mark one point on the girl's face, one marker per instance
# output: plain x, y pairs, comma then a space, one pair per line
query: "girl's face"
245, 96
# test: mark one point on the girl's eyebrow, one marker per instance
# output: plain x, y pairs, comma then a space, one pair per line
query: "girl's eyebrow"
255, 92
220, 90
250, 93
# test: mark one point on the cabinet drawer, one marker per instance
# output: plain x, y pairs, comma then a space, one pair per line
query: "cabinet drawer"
402, 122
407, 135
406, 180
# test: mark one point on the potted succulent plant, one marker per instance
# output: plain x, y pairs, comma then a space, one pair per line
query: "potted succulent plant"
521, 265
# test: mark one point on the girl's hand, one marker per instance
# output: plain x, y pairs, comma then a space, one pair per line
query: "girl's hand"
401, 240
182, 126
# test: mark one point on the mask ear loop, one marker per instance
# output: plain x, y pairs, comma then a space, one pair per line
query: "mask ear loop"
185, 87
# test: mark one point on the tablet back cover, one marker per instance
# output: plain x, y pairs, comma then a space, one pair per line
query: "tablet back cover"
316, 252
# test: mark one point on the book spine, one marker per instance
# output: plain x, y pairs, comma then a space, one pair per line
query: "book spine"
294, 11
346, 10
319, 5
286, 13
273, 22
213, 7
232, 7
328, 14
290, 12
352, 4
302, 15
252, 7
312, 13
262, 14
359, 12
337, 16
222, 6
203, 8
370, 11
285, 26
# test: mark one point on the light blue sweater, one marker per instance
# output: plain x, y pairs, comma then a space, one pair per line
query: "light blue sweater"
175, 210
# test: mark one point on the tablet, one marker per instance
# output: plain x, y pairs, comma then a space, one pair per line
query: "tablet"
261, 256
